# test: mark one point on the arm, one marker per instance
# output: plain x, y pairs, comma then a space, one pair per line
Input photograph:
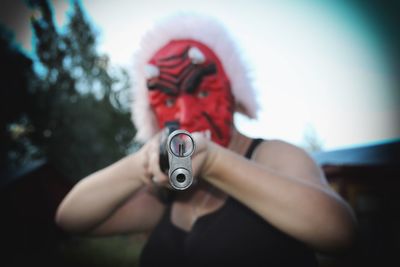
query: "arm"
112, 200
285, 187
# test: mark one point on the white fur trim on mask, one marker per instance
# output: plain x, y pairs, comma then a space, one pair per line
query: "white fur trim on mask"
205, 30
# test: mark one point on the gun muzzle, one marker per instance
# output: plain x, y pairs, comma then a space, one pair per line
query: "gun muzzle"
180, 147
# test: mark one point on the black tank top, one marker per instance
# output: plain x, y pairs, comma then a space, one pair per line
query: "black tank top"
233, 235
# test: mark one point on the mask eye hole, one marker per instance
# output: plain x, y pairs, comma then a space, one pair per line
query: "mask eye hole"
202, 94
169, 102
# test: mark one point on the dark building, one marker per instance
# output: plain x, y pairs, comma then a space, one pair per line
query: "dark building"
28, 201
368, 177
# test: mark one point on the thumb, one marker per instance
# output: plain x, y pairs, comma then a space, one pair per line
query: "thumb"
200, 142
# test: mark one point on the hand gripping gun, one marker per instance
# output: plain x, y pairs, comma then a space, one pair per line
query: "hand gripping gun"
177, 147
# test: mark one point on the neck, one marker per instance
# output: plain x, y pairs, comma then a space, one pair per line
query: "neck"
239, 143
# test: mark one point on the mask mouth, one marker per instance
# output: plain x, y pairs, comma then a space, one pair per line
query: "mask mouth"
205, 133
172, 125
175, 125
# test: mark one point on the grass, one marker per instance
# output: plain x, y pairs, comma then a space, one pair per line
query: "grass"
115, 251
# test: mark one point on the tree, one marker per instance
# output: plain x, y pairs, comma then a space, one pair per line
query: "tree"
15, 73
77, 111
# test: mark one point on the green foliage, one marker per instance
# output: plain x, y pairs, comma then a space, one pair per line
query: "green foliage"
78, 109
15, 73
116, 251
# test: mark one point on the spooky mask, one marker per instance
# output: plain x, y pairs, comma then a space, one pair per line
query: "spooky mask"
188, 86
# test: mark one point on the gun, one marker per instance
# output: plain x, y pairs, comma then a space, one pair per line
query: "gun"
176, 149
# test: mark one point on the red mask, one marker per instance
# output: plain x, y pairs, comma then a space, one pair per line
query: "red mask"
196, 96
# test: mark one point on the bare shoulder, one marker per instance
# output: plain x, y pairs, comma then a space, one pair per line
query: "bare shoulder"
278, 150
289, 160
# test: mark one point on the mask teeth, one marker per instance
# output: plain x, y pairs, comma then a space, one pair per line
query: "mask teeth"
207, 134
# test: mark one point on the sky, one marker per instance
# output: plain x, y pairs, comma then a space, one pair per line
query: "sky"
320, 67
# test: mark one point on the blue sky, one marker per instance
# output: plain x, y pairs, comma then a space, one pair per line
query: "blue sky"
319, 66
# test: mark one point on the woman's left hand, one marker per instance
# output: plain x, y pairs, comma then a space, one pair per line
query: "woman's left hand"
204, 155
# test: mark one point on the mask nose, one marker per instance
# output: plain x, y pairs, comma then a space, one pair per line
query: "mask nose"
188, 109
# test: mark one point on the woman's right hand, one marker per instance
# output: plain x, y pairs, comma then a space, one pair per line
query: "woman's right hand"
115, 198
150, 153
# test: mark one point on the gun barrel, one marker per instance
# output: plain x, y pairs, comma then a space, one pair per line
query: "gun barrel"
180, 147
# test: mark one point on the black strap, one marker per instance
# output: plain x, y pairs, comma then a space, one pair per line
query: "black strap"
253, 146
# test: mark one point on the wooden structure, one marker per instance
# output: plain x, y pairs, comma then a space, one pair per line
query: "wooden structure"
368, 177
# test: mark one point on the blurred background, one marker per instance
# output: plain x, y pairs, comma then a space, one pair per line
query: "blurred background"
327, 80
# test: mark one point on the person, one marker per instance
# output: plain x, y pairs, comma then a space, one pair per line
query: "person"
254, 202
